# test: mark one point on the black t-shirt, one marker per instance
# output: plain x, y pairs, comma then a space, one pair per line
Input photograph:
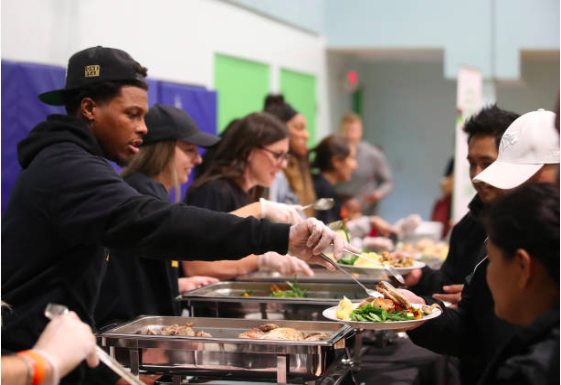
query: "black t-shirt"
217, 195
325, 190
145, 286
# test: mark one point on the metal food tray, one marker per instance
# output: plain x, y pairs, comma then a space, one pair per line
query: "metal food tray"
225, 352
224, 300
321, 275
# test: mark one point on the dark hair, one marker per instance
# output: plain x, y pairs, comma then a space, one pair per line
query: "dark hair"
101, 92
256, 130
528, 218
490, 121
331, 146
210, 152
275, 105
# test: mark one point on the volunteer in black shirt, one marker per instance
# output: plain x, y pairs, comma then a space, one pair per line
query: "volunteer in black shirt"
334, 162
68, 204
145, 285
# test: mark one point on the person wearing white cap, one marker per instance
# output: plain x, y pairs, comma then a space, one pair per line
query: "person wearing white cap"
529, 152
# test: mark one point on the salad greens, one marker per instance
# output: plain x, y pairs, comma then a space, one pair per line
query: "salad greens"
294, 292
369, 313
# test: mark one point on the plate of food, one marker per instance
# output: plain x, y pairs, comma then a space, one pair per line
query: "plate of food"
373, 263
391, 312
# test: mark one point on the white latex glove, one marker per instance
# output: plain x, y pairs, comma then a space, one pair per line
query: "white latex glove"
280, 212
311, 237
377, 244
409, 224
359, 227
284, 264
67, 341
191, 283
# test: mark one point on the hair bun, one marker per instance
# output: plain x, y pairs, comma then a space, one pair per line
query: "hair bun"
274, 99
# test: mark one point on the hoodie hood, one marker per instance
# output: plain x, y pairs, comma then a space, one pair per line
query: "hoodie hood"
56, 129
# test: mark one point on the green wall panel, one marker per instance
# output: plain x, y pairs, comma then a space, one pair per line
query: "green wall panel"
300, 91
241, 85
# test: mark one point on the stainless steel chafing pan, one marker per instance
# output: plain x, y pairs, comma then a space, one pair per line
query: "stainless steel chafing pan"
223, 299
224, 352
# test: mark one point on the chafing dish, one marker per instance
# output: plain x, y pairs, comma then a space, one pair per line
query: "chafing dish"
321, 275
224, 352
224, 299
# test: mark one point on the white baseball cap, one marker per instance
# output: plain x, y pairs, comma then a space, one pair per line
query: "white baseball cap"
528, 143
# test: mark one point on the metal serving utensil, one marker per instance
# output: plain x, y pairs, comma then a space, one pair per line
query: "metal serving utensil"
389, 269
370, 292
321, 204
54, 310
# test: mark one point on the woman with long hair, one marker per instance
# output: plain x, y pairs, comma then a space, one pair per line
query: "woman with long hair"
243, 167
294, 185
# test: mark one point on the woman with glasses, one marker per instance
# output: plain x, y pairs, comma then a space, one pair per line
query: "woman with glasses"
243, 167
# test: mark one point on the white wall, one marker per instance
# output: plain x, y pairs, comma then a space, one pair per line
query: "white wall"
487, 34
175, 39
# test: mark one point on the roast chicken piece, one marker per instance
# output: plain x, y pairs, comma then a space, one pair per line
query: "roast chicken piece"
274, 332
253, 334
386, 304
177, 330
317, 336
284, 334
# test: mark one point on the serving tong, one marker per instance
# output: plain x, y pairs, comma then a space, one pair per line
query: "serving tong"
54, 310
370, 292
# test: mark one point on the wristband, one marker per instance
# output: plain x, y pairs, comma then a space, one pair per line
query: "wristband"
30, 369
37, 364
55, 377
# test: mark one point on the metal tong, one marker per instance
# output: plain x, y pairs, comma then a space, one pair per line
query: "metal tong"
53, 310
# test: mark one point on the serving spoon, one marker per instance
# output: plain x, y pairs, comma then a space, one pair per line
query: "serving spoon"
54, 310
321, 204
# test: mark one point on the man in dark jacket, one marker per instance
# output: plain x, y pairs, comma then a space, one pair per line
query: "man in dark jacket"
484, 131
528, 152
68, 204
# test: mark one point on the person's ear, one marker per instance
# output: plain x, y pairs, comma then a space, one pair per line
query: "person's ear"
523, 263
88, 109
335, 162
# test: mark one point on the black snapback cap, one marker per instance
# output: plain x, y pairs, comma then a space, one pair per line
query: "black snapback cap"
94, 65
170, 123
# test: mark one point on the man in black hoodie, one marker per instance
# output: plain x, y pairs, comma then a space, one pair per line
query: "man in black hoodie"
484, 131
528, 152
69, 206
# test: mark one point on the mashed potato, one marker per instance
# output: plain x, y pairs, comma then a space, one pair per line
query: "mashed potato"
345, 309
361, 262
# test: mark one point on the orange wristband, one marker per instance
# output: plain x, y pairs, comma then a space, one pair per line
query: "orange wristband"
38, 365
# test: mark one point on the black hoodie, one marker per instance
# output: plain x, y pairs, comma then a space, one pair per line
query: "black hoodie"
68, 205
465, 243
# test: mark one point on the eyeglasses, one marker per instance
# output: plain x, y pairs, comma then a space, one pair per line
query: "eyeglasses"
279, 156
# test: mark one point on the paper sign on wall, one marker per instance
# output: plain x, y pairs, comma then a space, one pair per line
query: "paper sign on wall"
468, 102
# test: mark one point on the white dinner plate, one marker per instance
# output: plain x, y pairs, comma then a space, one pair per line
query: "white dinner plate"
379, 271
388, 325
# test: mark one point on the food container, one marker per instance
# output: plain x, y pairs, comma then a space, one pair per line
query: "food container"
225, 300
225, 353
321, 275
